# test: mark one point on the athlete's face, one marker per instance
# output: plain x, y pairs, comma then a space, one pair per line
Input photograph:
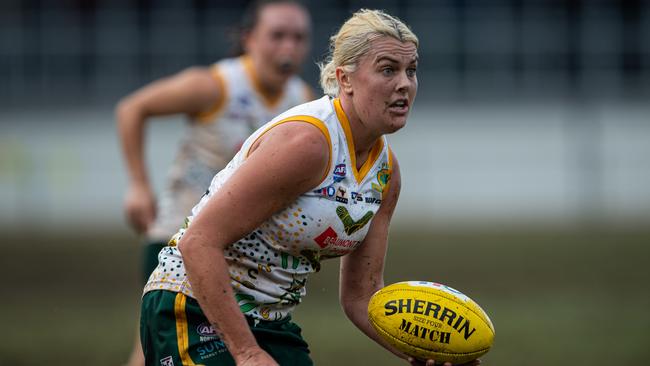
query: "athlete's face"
384, 84
279, 42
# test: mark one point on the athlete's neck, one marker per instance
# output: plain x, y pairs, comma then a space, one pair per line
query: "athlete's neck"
363, 137
266, 79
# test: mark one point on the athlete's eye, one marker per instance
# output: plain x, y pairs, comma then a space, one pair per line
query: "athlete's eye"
277, 35
299, 37
387, 71
410, 72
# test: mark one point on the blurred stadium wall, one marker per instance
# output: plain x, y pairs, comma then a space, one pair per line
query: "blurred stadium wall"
529, 111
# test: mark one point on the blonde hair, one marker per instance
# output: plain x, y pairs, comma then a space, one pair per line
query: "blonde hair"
353, 41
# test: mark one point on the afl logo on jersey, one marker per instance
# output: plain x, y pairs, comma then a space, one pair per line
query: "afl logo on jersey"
339, 173
205, 329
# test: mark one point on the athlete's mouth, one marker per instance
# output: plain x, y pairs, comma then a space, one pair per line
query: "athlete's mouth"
286, 67
400, 105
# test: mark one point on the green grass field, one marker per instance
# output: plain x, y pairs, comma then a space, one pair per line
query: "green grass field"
576, 297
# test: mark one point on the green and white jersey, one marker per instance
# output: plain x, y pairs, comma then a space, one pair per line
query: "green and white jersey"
215, 136
269, 267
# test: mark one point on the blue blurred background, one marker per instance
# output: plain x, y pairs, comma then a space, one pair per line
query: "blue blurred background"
526, 161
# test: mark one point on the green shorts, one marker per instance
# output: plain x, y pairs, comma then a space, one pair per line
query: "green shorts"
150, 258
174, 332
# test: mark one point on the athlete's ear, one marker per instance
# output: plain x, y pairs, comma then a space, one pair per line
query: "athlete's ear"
345, 84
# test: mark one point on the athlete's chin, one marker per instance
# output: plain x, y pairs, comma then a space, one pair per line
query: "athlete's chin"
283, 79
284, 70
396, 124
278, 78
393, 128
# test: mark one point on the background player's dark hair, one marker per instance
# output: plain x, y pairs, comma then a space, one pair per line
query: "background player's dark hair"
249, 21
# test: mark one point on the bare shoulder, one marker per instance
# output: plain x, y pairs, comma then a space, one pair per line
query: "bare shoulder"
308, 138
197, 77
190, 91
302, 148
299, 137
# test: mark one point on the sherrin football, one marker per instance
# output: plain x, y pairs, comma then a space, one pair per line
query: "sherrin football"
428, 320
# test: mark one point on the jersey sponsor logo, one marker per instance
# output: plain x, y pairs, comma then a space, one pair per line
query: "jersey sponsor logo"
329, 238
244, 100
206, 329
383, 177
373, 200
341, 195
356, 197
167, 361
211, 348
242, 109
351, 225
339, 173
328, 191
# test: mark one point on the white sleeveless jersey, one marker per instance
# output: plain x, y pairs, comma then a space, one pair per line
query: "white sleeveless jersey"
215, 136
269, 266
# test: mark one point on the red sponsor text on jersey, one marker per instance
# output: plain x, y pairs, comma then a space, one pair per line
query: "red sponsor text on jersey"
331, 239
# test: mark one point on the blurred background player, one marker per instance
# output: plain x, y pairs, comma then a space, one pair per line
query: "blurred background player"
224, 103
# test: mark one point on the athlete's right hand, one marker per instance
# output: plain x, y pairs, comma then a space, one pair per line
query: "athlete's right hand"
140, 207
255, 357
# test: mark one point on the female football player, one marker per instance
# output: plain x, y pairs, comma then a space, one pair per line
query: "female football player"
318, 181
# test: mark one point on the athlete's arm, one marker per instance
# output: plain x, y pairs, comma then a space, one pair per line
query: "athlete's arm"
189, 92
287, 161
362, 271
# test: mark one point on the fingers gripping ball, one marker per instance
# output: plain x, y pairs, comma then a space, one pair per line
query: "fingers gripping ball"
428, 320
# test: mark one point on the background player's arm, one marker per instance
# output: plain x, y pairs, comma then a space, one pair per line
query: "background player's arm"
290, 160
189, 92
